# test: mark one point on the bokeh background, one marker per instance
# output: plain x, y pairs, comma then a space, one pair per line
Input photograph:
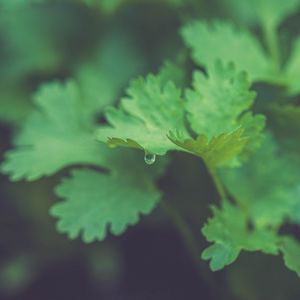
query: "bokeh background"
113, 41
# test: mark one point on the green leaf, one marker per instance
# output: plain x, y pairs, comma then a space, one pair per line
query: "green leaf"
103, 77
216, 109
272, 13
152, 118
217, 100
60, 131
253, 126
221, 40
241, 11
228, 230
292, 68
31, 46
146, 116
221, 255
173, 72
94, 201
215, 152
56, 135
268, 179
290, 249
265, 12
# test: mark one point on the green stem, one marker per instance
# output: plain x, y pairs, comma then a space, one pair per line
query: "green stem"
218, 184
190, 243
184, 230
218, 289
271, 39
222, 192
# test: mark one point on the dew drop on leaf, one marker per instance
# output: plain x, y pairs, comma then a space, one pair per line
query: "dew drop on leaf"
149, 158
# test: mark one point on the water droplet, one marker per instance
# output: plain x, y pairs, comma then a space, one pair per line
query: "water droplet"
149, 158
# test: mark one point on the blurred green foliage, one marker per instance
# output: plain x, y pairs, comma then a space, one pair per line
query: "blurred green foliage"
87, 52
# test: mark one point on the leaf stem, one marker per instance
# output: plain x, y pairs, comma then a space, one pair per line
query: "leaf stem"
217, 288
190, 242
218, 184
184, 230
222, 192
271, 39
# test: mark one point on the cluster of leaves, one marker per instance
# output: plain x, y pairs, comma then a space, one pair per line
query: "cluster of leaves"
265, 188
212, 118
